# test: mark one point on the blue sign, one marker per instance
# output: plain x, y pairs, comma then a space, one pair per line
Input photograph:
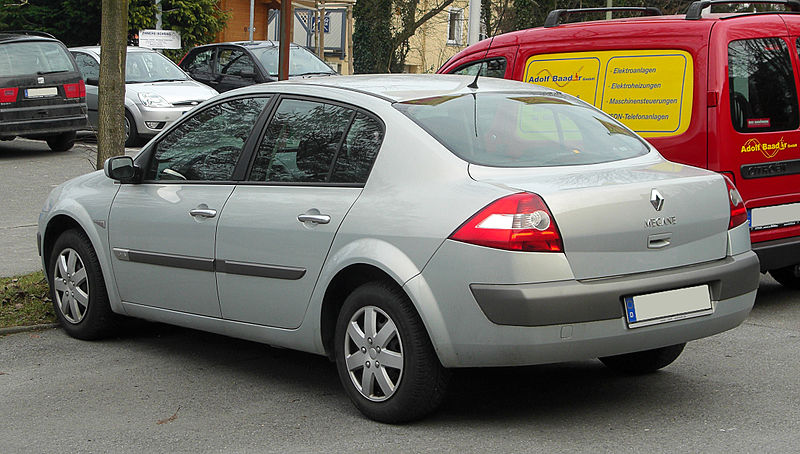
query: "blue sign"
326, 28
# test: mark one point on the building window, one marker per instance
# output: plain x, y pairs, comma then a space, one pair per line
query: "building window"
455, 27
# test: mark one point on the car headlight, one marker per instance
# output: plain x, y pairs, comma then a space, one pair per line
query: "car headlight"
153, 100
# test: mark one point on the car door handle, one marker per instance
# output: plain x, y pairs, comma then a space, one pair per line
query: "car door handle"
315, 218
203, 212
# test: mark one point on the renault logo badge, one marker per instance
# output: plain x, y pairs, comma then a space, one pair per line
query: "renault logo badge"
656, 199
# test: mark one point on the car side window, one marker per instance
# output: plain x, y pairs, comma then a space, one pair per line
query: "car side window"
301, 142
200, 64
495, 67
89, 67
235, 62
207, 146
358, 151
761, 83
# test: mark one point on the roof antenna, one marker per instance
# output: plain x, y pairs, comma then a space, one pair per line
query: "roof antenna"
474, 84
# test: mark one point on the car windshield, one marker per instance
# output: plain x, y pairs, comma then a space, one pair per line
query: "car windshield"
33, 57
523, 129
143, 67
301, 61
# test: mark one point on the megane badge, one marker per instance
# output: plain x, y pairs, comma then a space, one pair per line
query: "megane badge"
656, 199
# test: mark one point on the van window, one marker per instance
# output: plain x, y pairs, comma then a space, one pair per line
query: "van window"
495, 67
649, 91
761, 86
523, 129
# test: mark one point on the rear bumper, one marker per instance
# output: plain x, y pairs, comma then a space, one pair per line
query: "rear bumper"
778, 253
42, 121
556, 320
573, 301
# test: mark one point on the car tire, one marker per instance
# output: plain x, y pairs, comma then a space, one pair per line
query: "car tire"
786, 276
405, 380
78, 289
62, 142
131, 133
644, 362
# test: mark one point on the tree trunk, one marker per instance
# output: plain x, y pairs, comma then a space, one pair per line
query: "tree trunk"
111, 91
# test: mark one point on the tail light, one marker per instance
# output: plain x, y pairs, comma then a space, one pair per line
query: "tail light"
8, 94
738, 211
77, 90
519, 222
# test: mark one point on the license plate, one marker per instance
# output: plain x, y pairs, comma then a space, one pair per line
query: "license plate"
775, 216
668, 306
41, 92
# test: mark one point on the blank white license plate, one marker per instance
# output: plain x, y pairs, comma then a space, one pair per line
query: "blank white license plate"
668, 306
41, 92
775, 216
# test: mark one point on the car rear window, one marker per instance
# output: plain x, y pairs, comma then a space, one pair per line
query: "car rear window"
523, 129
33, 57
762, 90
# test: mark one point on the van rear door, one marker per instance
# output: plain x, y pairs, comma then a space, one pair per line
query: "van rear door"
754, 130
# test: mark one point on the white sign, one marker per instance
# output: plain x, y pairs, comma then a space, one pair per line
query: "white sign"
160, 39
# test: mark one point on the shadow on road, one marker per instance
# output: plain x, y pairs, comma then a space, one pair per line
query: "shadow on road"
550, 393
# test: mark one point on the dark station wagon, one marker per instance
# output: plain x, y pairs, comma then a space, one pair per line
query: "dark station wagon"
42, 93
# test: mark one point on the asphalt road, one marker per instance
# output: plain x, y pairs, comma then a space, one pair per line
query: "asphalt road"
28, 172
156, 388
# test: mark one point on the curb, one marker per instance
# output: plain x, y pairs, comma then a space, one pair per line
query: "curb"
22, 329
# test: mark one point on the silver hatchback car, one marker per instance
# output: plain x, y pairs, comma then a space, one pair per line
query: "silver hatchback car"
404, 225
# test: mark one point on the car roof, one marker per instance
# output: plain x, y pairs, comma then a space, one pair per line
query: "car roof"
6, 37
406, 87
96, 49
249, 44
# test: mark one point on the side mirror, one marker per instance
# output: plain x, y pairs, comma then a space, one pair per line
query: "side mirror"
120, 168
92, 81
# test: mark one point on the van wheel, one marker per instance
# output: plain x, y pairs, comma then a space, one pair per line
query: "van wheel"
644, 362
131, 134
62, 142
787, 276
384, 357
77, 288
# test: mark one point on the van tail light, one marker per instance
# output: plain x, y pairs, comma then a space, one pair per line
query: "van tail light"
8, 94
519, 222
77, 90
738, 211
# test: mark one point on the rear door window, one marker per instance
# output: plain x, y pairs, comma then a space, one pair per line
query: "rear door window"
763, 96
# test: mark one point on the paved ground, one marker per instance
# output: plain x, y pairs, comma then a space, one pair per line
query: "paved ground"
156, 388
28, 172
162, 389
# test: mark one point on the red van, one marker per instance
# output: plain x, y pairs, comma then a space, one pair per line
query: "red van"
717, 91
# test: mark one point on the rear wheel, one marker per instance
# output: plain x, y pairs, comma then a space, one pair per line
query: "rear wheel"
644, 362
787, 276
78, 289
62, 142
384, 357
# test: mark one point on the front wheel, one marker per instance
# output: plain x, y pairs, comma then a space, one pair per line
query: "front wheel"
78, 289
644, 362
131, 133
787, 276
384, 357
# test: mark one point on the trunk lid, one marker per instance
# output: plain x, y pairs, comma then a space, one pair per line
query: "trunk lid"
608, 223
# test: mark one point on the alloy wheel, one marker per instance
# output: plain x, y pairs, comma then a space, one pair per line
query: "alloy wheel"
71, 286
373, 353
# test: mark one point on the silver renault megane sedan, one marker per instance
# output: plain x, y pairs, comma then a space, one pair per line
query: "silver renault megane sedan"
405, 225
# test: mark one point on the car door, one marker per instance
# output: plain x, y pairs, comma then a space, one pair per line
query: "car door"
199, 65
90, 70
234, 68
276, 230
161, 231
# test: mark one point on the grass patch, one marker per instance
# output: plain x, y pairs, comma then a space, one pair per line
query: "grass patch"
25, 300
